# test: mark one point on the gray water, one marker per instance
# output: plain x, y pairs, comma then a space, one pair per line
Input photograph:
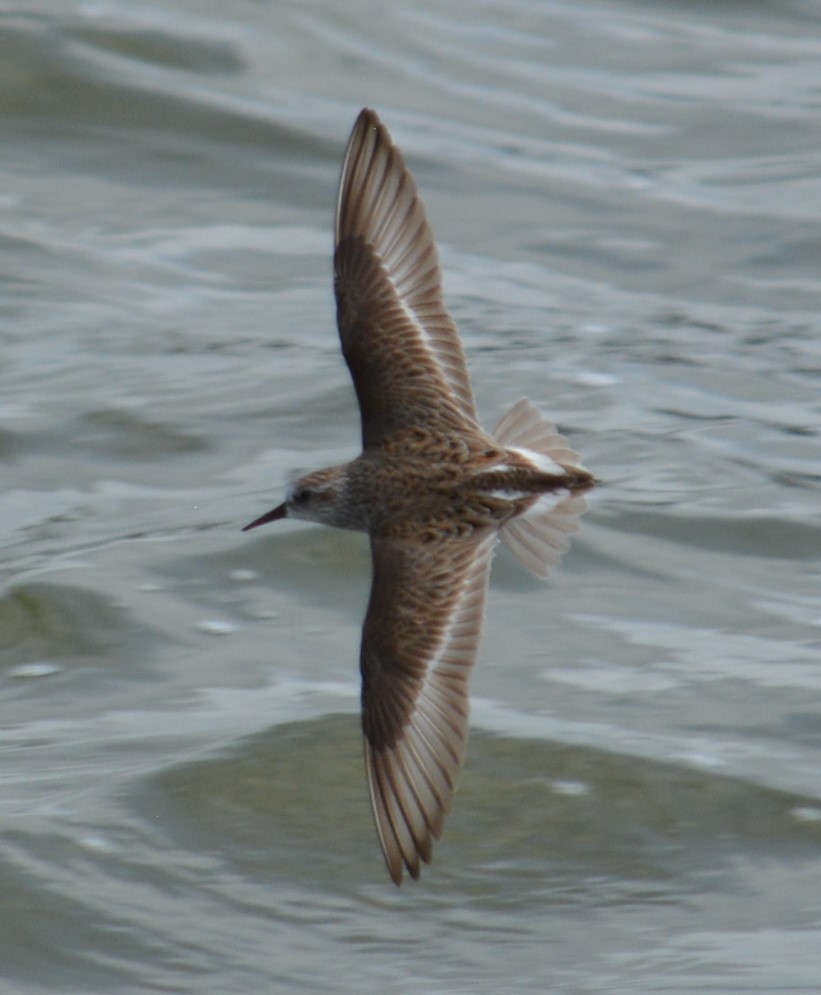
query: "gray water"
628, 201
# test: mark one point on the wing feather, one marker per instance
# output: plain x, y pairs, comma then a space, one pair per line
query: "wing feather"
419, 644
399, 341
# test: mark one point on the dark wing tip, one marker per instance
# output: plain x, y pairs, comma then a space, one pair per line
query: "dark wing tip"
369, 117
368, 144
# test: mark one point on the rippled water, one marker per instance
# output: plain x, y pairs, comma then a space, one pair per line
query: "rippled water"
628, 201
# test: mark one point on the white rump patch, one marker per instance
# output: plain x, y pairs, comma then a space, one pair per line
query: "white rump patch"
539, 460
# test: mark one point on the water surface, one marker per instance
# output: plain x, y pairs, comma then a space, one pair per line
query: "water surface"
628, 203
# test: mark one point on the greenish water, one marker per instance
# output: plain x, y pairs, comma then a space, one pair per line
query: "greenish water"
628, 203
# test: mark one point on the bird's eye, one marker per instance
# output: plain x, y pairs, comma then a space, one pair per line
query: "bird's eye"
301, 495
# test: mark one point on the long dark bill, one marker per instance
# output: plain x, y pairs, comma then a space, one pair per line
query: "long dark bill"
270, 516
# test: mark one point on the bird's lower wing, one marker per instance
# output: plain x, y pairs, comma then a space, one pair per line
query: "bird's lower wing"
419, 644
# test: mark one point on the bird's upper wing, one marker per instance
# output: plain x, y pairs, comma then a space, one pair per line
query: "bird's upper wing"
399, 341
419, 643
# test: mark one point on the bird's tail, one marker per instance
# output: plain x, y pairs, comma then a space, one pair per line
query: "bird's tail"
541, 535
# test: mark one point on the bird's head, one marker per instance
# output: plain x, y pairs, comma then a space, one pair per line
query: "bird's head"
316, 497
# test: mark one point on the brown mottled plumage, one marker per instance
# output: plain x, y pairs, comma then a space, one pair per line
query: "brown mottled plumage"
433, 490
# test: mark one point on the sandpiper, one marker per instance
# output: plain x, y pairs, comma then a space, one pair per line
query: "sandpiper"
431, 488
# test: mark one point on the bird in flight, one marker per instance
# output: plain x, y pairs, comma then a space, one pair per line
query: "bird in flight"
432, 489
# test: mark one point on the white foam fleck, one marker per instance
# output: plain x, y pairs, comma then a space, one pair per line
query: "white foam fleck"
40, 669
97, 844
806, 813
243, 576
570, 788
216, 627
